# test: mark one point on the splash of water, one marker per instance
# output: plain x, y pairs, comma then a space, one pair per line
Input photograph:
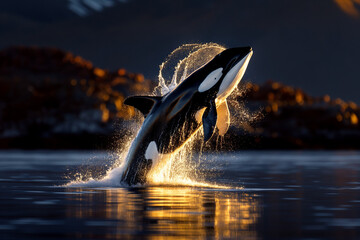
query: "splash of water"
192, 56
180, 168
111, 177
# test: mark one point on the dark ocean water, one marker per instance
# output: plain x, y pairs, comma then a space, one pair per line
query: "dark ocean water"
268, 195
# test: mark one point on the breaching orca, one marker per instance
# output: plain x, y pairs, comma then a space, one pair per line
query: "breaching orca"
172, 119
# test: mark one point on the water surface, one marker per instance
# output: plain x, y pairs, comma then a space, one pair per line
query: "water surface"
268, 195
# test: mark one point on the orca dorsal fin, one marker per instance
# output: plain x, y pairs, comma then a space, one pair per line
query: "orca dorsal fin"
209, 120
143, 103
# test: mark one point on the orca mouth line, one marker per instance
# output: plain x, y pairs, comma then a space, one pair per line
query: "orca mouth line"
235, 60
231, 64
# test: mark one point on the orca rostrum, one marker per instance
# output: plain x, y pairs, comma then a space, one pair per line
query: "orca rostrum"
172, 119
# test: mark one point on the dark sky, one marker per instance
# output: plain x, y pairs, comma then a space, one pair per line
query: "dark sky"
310, 44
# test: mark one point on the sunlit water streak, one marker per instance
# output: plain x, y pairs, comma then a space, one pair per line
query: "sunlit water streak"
180, 168
172, 210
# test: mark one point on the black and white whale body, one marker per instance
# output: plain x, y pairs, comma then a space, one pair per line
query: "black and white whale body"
172, 119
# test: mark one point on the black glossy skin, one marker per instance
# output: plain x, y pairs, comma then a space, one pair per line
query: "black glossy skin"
171, 122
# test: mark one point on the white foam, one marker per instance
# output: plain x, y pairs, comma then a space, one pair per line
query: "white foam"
112, 179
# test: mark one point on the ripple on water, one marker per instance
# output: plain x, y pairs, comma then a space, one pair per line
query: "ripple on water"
35, 221
322, 208
7, 227
100, 223
75, 192
323, 214
345, 222
46, 202
33, 191
292, 199
23, 198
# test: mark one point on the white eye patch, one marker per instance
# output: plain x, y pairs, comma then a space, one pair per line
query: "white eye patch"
210, 80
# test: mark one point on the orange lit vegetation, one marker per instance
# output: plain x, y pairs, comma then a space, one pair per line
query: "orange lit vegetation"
277, 96
350, 7
354, 119
99, 72
111, 90
57, 78
105, 112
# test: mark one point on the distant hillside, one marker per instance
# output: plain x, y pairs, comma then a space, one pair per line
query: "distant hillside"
48, 93
53, 99
290, 118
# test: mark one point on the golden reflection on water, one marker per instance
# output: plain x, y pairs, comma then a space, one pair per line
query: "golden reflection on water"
170, 212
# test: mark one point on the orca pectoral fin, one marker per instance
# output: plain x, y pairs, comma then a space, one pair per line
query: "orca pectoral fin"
143, 103
223, 119
209, 120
